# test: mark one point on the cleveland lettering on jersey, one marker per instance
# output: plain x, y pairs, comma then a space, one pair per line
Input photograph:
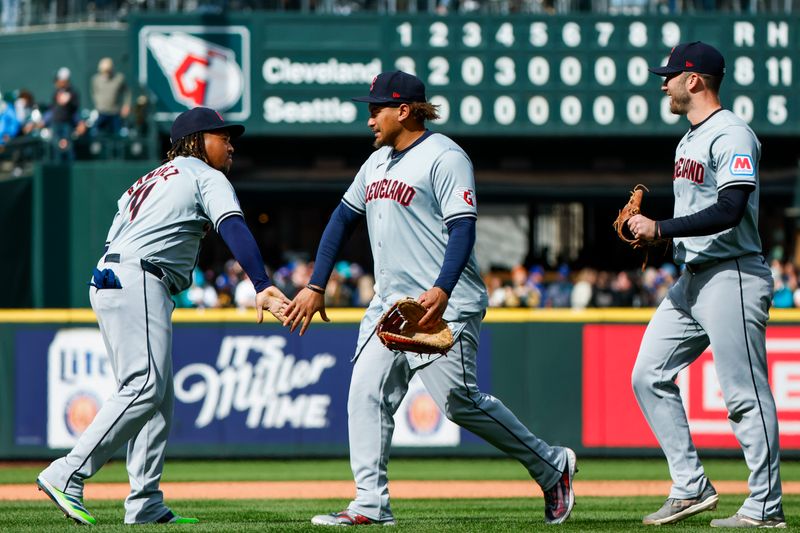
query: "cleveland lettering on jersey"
689, 169
390, 189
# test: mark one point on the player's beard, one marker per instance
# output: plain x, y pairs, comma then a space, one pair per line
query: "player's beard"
679, 102
385, 139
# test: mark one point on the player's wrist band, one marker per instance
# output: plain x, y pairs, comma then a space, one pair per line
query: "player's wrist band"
318, 290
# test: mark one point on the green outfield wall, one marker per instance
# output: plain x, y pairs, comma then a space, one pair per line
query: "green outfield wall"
566, 374
294, 74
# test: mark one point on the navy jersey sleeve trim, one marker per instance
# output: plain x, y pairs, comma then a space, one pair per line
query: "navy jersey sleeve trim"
354, 208
457, 253
455, 216
242, 244
341, 225
227, 215
748, 184
725, 214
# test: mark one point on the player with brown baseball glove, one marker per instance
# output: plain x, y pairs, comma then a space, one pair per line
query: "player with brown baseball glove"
399, 329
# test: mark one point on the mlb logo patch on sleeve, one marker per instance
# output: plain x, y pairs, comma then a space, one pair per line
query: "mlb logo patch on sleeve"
742, 165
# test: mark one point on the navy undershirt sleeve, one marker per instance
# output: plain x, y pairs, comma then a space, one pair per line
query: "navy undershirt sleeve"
725, 214
457, 252
341, 225
243, 245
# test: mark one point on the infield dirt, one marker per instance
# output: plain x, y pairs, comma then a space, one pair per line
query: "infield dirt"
239, 490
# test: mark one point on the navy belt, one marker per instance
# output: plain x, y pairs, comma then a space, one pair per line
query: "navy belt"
700, 267
147, 266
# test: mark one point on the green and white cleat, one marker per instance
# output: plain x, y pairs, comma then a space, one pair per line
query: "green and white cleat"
71, 506
171, 518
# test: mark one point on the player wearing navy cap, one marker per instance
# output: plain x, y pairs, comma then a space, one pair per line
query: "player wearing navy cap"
151, 250
417, 193
722, 299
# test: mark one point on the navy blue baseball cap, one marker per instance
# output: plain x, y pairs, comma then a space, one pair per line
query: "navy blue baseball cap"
201, 119
394, 88
693, 57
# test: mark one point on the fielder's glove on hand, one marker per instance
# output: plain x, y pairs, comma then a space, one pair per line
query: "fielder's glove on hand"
634, 207
398, 329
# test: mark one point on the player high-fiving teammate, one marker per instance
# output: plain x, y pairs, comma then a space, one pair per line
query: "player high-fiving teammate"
151, 250
417, 194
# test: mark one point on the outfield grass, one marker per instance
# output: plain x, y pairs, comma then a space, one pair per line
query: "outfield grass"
515, 514
413, 469
590, 514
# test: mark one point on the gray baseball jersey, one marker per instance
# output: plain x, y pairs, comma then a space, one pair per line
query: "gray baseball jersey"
161, 219
408, 198
721, 152
722, 299
165, 213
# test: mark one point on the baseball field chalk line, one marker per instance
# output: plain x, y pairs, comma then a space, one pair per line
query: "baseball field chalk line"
306, 490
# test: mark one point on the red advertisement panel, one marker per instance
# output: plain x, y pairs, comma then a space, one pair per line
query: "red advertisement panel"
611, 416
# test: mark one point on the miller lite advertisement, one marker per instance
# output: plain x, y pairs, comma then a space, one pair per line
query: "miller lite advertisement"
234, 385
191, 66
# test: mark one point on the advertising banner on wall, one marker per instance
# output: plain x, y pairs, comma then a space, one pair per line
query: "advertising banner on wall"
611, 416
234, 385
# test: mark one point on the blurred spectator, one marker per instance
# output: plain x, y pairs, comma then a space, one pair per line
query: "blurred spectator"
9, 125
558, 292
536, 281
583, 291
337, 293
111, 97
603, 294
495, 290
28, 113
624, 291
785, 286
522, 293
244, 295
64, 117
365, 290
227, 281
202, 293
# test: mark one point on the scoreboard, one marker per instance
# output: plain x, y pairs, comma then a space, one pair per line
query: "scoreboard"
520, 75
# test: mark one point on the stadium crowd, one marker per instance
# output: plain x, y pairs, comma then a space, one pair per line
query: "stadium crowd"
534, 287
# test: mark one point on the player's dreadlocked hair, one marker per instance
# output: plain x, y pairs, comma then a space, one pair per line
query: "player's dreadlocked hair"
423, 111
192, 145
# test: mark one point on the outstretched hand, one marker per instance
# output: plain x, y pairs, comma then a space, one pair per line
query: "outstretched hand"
274, 301
303, 308
435, 301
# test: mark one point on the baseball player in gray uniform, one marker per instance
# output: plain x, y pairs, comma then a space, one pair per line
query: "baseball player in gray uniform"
417, 192
151, 249
721, 299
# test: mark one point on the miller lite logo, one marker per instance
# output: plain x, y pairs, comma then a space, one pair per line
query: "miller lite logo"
187, 67
742, 165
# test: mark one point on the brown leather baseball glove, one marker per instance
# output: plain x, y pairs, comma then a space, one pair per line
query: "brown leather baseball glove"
398, 329
633, 207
